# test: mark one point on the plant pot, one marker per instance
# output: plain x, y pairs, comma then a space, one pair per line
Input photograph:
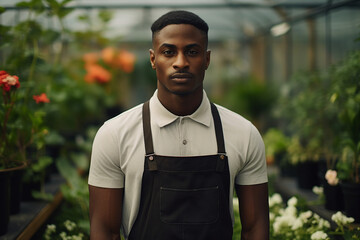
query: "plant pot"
351, 193
4, 200
334, 200
16, 188
287, 170
307, 174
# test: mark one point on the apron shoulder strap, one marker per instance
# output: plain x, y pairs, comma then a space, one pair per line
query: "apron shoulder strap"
149, 147
218, 129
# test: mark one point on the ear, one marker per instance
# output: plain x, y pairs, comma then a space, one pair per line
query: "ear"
152, 58
208, 52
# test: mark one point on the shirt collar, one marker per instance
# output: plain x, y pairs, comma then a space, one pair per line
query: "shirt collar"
162, 117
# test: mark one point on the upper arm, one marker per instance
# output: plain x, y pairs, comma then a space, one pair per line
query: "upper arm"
254, 211
105, 212
254, 169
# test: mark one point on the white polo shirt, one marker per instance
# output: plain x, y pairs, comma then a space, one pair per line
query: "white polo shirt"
118, 152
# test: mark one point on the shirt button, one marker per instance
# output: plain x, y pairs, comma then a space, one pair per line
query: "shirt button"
184, 142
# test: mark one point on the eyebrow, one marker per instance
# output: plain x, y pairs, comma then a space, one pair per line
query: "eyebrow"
174, 46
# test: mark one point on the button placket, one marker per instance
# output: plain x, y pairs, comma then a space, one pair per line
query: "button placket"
183, 135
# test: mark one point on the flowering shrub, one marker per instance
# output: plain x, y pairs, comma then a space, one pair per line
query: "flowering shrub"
21, 124
288, 223
68, 231
7, 81
100, 67
343, 226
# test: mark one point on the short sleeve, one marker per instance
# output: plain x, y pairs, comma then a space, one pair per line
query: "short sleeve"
255, 169
105, 170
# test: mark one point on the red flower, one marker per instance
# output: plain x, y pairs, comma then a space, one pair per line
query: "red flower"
7, 81
41, 98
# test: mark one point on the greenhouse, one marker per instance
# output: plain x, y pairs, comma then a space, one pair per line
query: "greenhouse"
284, 77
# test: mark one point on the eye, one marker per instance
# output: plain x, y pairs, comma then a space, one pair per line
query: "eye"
168, 52
192, 52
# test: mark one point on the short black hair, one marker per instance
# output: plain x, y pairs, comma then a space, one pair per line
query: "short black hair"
179, 17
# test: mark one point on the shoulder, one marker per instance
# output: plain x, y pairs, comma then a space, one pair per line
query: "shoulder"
237, 127
233, 120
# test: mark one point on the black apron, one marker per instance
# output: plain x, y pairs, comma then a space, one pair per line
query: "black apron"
184, 198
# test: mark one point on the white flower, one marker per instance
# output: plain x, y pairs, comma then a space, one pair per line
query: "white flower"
292, 201
77, 237
331, 177
275, 199
297, 224
69, 225
318, 190
319, 235
304, 216
290, 210
10, 80
51, 228
63, 236
281, 222
271, 216
341, 219
322, 223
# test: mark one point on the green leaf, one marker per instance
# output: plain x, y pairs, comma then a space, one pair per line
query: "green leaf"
42, 196
23, 4
36, 5
2, 10
81, 160
41, 164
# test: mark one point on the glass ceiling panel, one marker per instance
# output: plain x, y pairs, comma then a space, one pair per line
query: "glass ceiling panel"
228, 19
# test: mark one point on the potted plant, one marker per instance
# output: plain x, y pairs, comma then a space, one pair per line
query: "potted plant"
21, 128
310, 121
276, 144
9, 162
346, 97
332, 191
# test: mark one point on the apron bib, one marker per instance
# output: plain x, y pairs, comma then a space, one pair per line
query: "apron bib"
185, 198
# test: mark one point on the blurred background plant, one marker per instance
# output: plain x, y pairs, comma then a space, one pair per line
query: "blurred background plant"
71, 82
309, 119
346, 99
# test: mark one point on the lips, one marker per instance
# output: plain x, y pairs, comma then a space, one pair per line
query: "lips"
181, 77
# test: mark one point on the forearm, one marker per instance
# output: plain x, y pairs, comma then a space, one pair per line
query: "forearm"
99, 232
105, 213
260, 232
254, 211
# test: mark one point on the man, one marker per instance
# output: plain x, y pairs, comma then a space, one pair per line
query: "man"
166, 169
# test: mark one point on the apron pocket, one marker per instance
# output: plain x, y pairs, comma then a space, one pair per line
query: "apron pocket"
189, 206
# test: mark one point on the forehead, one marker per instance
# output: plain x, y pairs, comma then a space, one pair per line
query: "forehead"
179, 34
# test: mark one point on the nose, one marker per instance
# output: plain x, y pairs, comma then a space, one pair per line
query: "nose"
181, 61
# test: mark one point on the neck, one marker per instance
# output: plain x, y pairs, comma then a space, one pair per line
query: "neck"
181, 105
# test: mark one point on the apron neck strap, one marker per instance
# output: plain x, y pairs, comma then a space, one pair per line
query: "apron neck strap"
149, 146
